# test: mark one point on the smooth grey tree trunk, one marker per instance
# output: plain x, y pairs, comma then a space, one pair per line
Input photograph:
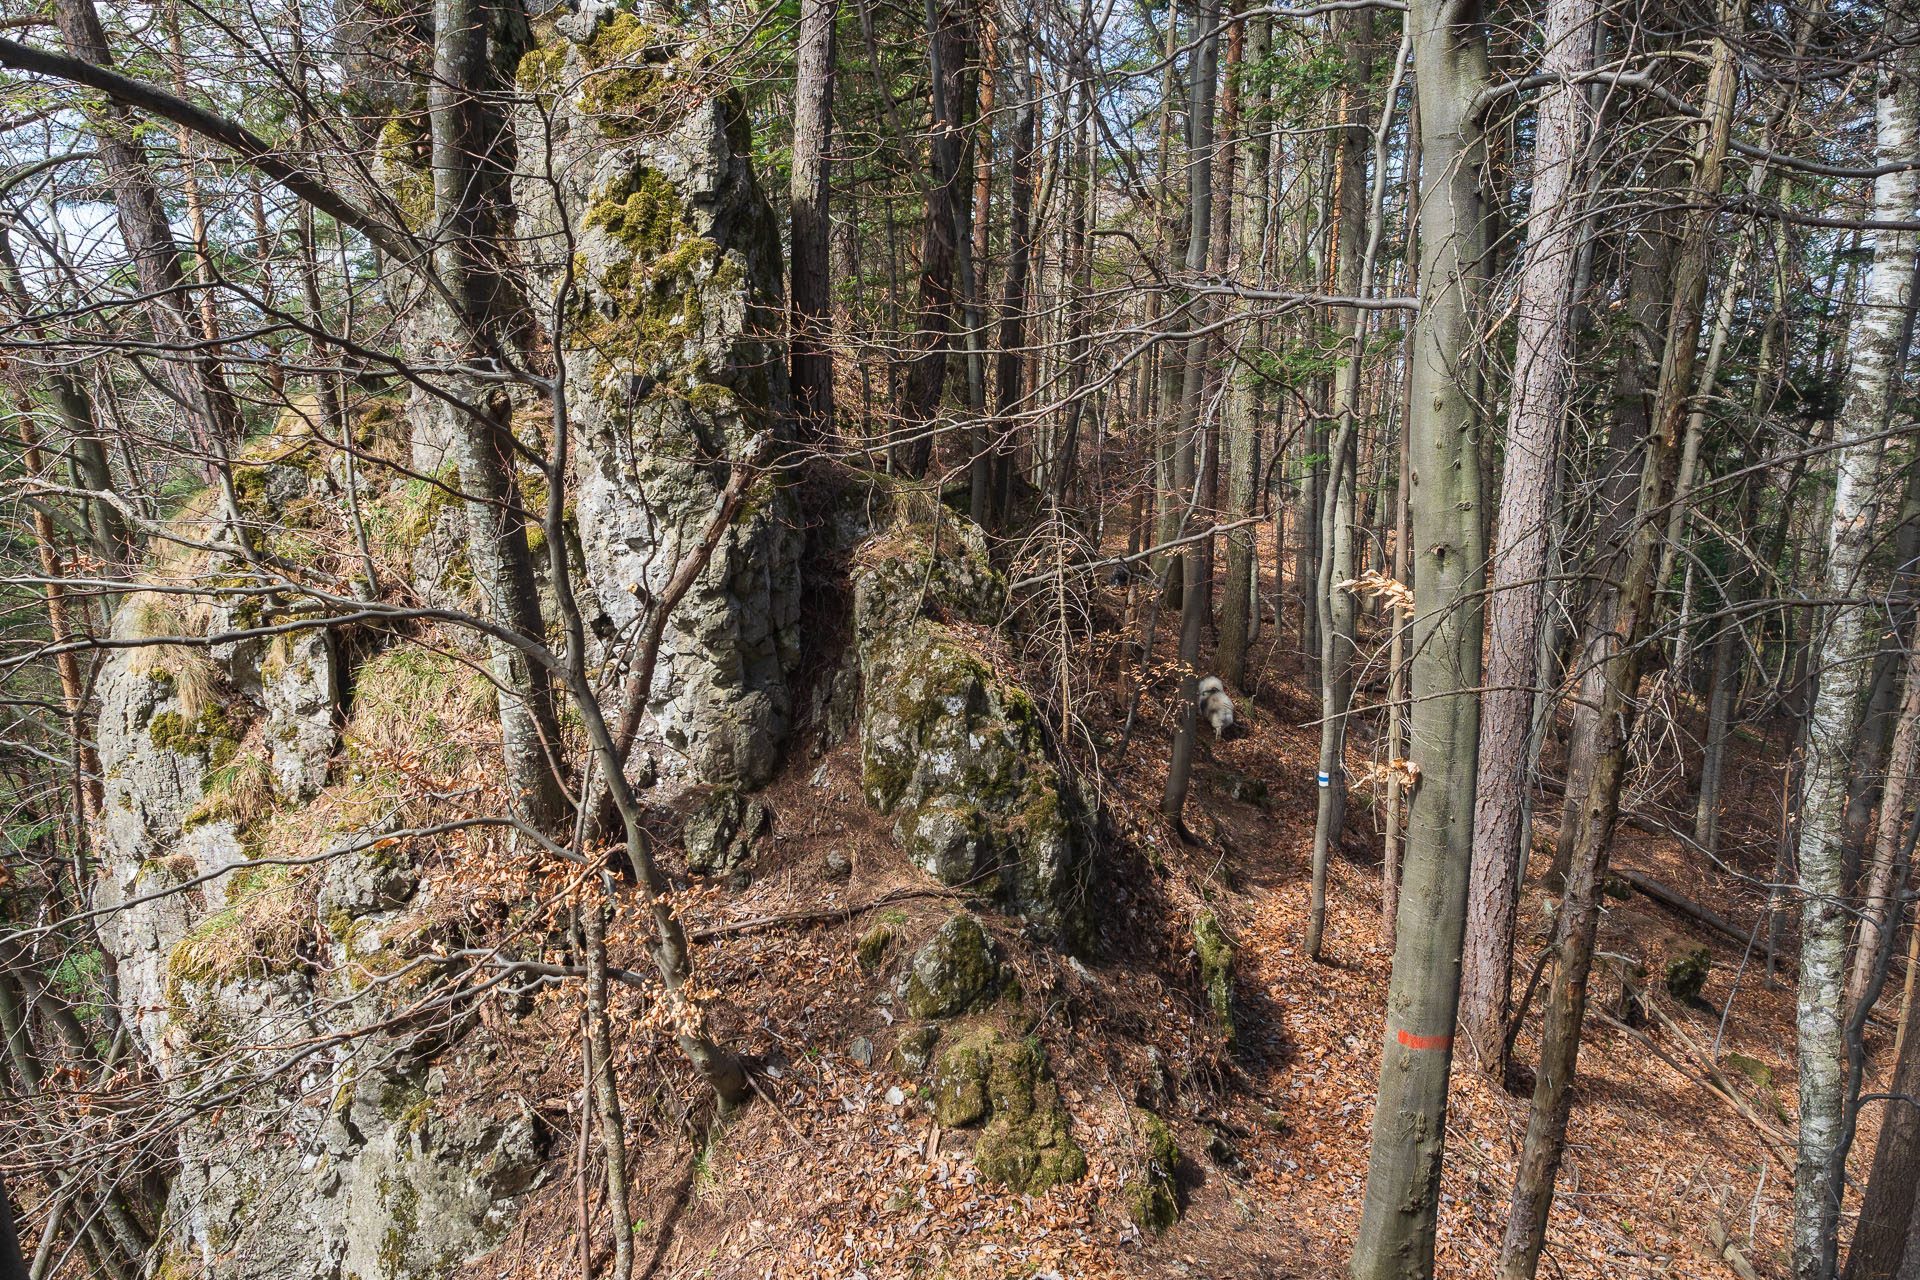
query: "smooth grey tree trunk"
1396, 1238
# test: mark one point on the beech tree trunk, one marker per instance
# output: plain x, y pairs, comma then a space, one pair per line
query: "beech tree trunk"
1524, 514
1396, 1237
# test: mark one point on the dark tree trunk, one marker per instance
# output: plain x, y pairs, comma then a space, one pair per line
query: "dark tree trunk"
1013, 300
949, 46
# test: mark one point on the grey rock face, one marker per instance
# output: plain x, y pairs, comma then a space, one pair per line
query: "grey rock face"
672, 376
367, 1172
719, 833
381, 1184
953, 971
954, 752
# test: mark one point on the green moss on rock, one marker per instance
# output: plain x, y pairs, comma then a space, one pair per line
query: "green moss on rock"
873, 947
1151, 1196
1026, 1144
1215, 950
951, 749
209, 735
952, 971
1687, 974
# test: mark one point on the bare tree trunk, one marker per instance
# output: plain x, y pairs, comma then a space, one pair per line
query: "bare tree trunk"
1396, 1237
1596, 770
812, 301
1013, 299
471, 158
1880, 889
606, 1082
1525, 513
948, 48
1243, 472
1337, 645
1886, 1211
1846, 655
197, 379
1876, 730
1187, 462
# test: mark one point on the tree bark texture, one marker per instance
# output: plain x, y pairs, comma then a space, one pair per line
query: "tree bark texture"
1525, 511
1396, 1238
812, 283
1846, 657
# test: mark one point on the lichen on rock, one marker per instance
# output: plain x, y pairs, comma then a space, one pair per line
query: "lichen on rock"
719, 832
953, 751
672, 256
953, 971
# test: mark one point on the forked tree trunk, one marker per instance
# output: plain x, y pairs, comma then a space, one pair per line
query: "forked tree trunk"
1525, 513
1396, 1238
1846, 656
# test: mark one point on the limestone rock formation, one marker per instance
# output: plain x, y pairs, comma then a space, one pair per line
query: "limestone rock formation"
213, 759
953, 971
655, 222
955, 753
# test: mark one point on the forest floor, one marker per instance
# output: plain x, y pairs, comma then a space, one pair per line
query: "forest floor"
824, 1175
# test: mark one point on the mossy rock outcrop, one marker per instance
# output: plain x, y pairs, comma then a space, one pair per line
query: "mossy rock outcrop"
1026, 1146
1215, 952
671, 257
719, 833
954, 752
1152, 1198
1686, 975
953, 971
